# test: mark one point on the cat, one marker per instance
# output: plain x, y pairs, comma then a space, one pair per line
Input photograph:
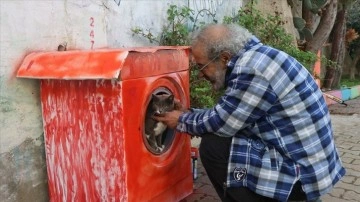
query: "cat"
154, 130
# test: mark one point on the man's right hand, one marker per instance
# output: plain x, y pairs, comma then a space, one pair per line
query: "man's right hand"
169, 118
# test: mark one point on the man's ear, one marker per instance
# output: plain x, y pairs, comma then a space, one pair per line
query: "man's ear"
225, 57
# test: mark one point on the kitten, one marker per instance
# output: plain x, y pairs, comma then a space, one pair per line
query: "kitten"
159, 104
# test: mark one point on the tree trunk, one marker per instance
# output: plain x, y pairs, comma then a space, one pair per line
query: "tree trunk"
337, 51
340, 62
337, 79
329, 77
322, 32
308, 16
353, 65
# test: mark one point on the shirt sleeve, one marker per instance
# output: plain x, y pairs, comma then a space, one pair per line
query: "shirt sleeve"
197, 110
247, 98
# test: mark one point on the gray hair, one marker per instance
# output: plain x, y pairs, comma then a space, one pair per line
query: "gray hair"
233, 38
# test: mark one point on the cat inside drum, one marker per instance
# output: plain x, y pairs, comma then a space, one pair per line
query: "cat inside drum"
155, 131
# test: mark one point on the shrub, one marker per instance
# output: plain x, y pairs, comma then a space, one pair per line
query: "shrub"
269, 29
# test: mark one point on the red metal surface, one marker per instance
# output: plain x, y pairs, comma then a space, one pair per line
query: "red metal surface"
73, 65
152, 172
83, 133
103, 64
94, 128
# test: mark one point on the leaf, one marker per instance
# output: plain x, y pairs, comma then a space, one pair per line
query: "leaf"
192, 19
308, 4
320, 3
299, 23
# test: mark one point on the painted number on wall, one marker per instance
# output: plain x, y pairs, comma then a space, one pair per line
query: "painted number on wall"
92, 33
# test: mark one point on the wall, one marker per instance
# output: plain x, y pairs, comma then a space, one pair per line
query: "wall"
32, 26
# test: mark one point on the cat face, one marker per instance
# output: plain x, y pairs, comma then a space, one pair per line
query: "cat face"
162, 103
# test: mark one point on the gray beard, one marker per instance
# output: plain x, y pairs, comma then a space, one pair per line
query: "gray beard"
219, 80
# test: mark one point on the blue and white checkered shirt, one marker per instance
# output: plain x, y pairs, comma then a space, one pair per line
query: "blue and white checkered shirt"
280, 125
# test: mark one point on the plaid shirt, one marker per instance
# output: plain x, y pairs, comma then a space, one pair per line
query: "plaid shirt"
280, 125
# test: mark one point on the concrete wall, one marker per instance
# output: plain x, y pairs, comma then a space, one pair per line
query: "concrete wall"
32, 26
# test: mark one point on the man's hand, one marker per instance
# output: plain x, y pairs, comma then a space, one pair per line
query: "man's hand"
169, 118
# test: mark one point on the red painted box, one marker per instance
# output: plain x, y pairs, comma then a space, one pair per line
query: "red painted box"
93, 105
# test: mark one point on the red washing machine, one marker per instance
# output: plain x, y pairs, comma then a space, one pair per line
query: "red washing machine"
94, 105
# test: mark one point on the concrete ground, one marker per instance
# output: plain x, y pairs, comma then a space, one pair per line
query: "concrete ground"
346, 124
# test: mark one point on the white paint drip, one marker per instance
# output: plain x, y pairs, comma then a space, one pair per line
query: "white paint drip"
75, 187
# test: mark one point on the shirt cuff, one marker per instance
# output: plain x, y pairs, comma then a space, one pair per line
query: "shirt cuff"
181, 126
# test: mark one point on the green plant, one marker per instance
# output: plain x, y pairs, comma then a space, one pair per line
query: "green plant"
314, 5
346, 81
176, 32
269, 29
304, 33
201, 93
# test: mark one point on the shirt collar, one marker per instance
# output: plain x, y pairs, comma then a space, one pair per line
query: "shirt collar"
253, 41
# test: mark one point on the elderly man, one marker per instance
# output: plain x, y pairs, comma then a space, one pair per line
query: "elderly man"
269, 137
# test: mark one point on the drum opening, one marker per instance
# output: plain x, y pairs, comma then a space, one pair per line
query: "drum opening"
157, 137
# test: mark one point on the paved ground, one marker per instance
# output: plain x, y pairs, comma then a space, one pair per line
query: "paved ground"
346, 123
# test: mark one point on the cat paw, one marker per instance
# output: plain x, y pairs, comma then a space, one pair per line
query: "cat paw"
160, 149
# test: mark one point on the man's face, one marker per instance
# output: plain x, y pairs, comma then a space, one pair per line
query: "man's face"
212, 69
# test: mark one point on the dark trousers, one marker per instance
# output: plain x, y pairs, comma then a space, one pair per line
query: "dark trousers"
214, 155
